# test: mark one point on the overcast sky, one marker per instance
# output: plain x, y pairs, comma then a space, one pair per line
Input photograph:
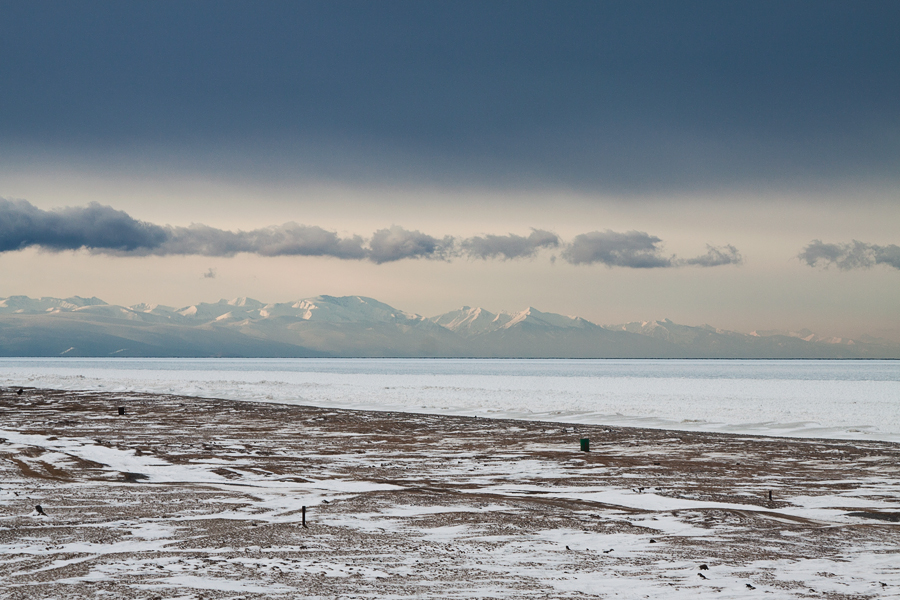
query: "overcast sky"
731, 163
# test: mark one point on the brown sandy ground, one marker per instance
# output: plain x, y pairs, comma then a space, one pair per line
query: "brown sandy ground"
422, 506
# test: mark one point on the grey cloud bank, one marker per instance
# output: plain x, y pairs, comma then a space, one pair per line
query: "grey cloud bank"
509, 246
289, 239
105, 230
396, 243
640, 250
853, 255
634, 249
96, 227
716, 256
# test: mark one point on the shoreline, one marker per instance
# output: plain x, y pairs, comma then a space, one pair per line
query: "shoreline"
817, 400
181, 494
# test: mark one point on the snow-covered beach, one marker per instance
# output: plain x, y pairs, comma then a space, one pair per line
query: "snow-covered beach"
842, 399
202, 498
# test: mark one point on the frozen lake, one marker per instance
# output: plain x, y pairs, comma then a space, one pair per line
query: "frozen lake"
798, 398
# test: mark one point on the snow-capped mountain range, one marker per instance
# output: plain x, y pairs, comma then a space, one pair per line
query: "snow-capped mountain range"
360, 326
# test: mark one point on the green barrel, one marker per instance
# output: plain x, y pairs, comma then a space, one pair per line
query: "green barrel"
585, 445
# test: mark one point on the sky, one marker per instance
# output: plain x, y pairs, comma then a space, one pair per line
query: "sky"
730, 163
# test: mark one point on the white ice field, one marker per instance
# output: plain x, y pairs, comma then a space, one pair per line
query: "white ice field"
845, 399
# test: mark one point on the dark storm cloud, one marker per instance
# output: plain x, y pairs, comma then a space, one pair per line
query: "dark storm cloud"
396, 243
94, 226
855, 255
617, 95
717, 256
509, 246
104, 230
634, 249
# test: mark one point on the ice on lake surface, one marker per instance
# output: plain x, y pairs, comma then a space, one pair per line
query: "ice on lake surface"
799, 398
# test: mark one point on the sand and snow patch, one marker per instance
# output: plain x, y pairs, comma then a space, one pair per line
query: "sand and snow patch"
498, 509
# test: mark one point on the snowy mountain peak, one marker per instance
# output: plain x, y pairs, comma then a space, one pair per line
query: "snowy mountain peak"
244, 303
351, 309
79, 301
26, 305
803, 334
469, 321
476, 321
144, 307
153, 309
533, 316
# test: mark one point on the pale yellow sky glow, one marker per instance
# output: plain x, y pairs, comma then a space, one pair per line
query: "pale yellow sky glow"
771, 290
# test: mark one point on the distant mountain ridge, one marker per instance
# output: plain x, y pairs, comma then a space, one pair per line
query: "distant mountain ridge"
356, 326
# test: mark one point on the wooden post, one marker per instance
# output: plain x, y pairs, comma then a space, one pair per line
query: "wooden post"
770, 495
303, 513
